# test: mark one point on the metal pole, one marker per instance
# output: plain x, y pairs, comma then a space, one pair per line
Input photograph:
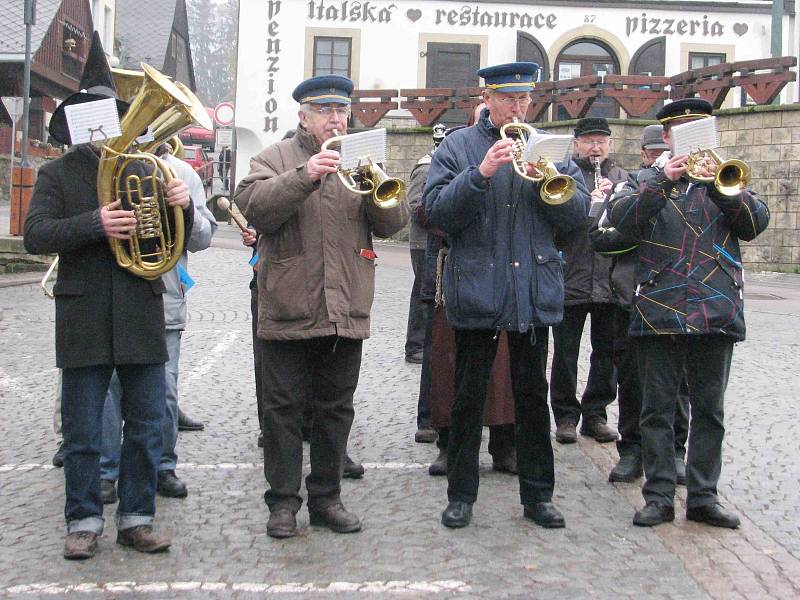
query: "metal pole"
30, 19
777, 28
13, 147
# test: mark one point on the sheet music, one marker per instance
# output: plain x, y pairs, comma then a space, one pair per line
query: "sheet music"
360, 146
146, 137
93, 121
548, 146
695, 135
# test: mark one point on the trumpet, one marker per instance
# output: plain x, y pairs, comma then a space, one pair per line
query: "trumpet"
731, 176
369, 178
554, 188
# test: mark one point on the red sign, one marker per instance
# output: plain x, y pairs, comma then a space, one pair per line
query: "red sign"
223, 114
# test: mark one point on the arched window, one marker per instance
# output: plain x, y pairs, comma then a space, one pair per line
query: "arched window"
649, 60
530, 50
584, 57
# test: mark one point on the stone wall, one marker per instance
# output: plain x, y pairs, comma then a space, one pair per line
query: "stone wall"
766, 137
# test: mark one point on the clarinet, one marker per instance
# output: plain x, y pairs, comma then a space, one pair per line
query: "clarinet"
597, 174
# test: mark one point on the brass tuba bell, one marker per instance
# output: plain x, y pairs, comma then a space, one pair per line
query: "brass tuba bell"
157, 242
731, 177
369, 178
554, 187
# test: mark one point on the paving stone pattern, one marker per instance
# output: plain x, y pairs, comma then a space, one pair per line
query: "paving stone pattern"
220, 544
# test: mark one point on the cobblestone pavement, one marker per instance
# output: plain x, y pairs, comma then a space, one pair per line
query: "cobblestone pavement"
220, 545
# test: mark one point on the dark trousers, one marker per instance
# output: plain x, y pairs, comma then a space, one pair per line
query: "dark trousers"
415, 331
501, 439
601, 387
475, 352
424, 398
83, 395
328, 369
662, 361
630, 395
257, 355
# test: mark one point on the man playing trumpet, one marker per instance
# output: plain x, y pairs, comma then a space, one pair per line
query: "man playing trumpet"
315, 292
687, 314
503, 272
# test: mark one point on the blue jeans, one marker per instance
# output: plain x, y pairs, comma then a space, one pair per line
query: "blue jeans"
112, 417
83, 396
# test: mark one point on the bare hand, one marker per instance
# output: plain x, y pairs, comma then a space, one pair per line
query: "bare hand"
605, 185
500, 153
675, 167
248, 237
327, 161
117, 223
177, 193
598, 195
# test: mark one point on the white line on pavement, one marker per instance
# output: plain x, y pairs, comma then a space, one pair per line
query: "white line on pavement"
209, 359
335, 587
398, 466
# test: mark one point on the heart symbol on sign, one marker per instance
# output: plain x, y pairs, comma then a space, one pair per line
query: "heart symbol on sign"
413, 14
740, 28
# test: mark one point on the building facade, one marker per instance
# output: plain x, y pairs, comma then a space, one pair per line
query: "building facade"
396, 44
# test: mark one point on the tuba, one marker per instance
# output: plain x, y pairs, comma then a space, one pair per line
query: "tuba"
156, 244
730, 178
369, 178
554, 188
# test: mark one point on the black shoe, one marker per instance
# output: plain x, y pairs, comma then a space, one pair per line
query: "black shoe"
629, 468
415, 358
680, 471
544, 514
352, 469
260, 441
108, 491
652, 514
438, 467
597, 428
170, 486
187, 423
457, 514
506, 463
282, 523
336, 518
713, 514
58, 457
565, 432
425, 435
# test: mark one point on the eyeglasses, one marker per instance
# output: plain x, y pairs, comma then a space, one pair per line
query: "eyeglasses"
592, 143
329, 111
509, 101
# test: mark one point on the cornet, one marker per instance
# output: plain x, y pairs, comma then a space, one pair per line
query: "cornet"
554, 188
731, 176
369, 178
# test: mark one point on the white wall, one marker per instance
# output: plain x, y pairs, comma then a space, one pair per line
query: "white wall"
390, 34
103, 18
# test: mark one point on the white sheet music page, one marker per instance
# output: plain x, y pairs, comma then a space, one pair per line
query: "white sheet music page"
551, 147
93, 121
146, 137
700, 134
360, 146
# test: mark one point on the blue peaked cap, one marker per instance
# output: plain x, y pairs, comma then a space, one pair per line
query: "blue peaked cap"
324, 89
510, 77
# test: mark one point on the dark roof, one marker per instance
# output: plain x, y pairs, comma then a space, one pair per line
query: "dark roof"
12, 25
143, 29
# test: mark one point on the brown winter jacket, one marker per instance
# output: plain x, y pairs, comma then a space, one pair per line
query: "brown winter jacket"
316, 278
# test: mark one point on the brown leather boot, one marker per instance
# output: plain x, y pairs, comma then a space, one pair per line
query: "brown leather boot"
336, 518
142, 539
80, 545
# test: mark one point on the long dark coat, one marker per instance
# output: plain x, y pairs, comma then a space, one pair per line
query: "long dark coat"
104, 314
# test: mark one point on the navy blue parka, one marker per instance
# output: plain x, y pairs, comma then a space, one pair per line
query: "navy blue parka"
503, 270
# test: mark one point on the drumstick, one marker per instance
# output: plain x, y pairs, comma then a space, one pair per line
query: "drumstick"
225, 204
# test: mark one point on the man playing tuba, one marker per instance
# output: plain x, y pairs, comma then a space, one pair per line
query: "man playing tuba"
106, 319
315, 291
